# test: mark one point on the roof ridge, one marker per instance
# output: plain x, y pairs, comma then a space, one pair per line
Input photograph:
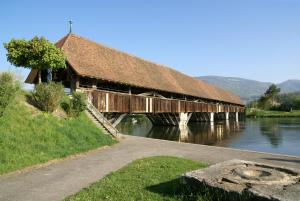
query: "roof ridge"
62, 41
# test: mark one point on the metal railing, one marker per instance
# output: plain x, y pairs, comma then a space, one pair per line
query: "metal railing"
101, 118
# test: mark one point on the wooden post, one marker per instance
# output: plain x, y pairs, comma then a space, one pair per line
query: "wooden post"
130, 106
39, 77
74, 83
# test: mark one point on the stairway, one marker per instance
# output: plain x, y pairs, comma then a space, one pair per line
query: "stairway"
100, 121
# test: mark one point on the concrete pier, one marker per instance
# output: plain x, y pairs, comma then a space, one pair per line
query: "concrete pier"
211, 116
226, 116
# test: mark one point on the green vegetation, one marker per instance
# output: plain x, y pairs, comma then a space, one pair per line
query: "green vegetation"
48, 96
155, 178
29, 136
9, 86
288, 102
268, 101
74, 105
37, 53
269, 113
273, 104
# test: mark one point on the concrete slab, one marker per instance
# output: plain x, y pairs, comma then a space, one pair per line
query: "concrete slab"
259, 181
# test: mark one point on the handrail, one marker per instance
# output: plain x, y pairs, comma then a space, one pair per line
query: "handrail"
202, 100
100, 117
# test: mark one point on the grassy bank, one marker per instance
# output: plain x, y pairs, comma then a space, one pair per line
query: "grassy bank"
264, 113
29, 137
153, 178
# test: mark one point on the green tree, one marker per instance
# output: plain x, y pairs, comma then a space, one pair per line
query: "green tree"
268, 99
272, 91
37, 53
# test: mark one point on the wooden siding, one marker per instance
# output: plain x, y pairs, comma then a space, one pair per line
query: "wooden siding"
106, 101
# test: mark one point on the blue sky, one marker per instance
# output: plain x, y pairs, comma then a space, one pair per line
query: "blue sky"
256, 39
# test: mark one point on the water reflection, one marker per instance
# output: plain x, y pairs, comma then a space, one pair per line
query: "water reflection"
280, 135
270, 129
198, 133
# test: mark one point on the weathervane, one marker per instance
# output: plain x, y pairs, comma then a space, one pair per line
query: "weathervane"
70, 23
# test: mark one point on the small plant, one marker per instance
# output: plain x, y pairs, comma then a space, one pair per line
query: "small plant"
8, 89
74, 105
48, 96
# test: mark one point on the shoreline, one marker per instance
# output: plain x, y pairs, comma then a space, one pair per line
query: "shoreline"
256, 113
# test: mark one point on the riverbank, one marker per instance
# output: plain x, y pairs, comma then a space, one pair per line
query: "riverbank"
257, 113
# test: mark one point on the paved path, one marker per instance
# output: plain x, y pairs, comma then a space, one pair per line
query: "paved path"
59, 180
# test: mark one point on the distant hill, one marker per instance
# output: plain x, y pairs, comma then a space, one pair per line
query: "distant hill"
290, 86
248, 89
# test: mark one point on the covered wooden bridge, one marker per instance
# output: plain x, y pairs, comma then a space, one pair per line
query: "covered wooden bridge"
118, 84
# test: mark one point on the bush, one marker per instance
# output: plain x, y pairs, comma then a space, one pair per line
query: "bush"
8, 89
75, 105
48, 96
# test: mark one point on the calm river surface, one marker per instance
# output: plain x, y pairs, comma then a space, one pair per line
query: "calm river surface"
275, 135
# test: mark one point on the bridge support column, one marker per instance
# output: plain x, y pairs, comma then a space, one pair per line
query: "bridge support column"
211, 116
226, 116
184, 134
183, 121
184, 118
236, 116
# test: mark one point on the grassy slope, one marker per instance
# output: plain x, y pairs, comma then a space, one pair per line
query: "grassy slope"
155, 178
29, 137
264, 113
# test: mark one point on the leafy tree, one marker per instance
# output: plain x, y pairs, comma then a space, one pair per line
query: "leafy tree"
263, 102
267, 101
288, 101
37, 53
272, 91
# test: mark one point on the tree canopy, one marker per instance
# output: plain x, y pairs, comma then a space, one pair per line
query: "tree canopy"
37, 53
272, 91
268, 99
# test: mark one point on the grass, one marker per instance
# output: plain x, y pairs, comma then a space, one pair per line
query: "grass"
29, 137
155, 178
265, 113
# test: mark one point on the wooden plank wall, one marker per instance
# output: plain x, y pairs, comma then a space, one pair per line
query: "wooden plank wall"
106, 101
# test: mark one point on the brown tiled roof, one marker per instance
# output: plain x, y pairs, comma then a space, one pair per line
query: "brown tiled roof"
90, 59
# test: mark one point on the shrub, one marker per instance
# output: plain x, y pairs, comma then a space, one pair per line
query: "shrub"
8, 89
74, 105
48, 96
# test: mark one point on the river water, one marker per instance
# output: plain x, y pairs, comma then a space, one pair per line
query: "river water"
274, 135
